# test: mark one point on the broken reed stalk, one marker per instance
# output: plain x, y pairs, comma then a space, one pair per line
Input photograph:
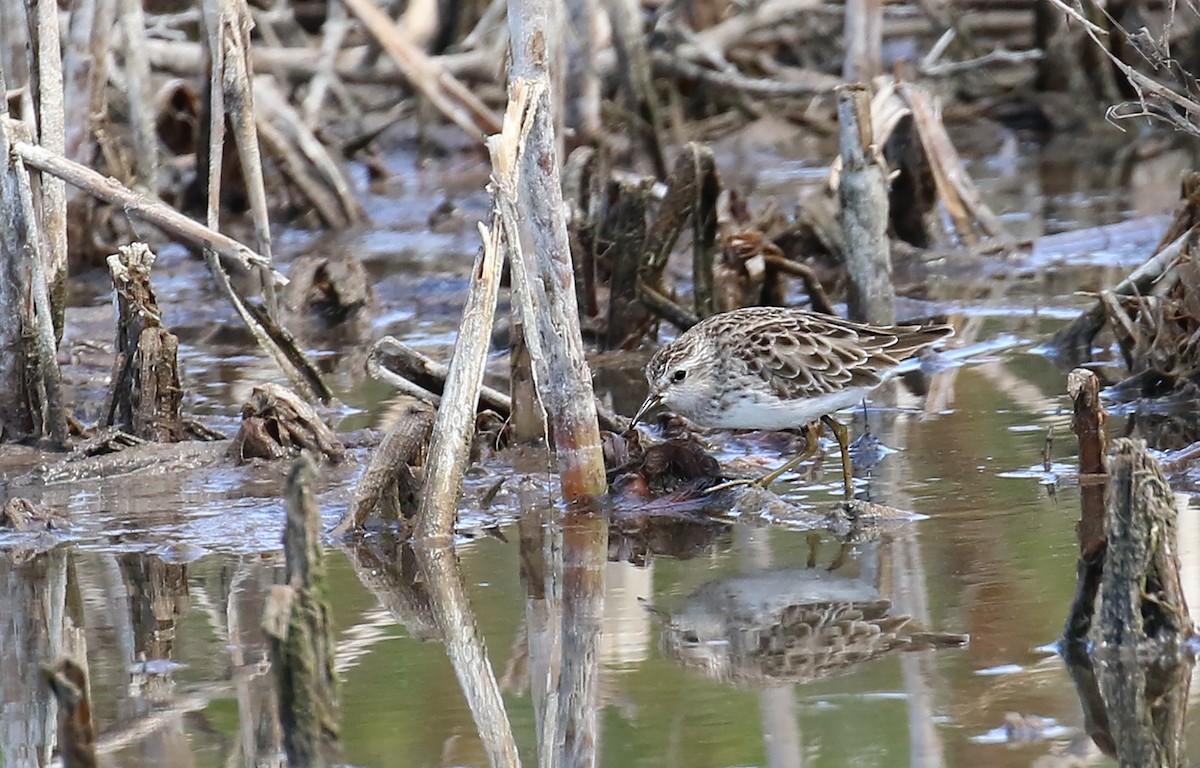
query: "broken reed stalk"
637, 79
1078, 336
387, 487
229, 23
863, 31
454, 426
1141, 595
1088, 425
692, 191
29, 374
467, 653
581, 115
138, 205
955, 188
145, 394
429, 76
627, 318
305, 160
530, 199
862, 191
1142, 608
299, 624
137, 76
68, 681
43, 24
271, 337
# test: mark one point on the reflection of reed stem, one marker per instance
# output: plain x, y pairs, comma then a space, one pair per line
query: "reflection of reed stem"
585, 553
464, 647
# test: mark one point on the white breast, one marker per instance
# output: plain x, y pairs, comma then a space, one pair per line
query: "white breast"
745, 414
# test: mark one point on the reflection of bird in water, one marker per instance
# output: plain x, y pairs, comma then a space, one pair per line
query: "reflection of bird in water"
787, 626
775, 368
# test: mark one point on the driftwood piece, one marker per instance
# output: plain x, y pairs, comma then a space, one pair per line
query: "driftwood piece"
389, 488
299, 623
145, 395
277, 424
1088, 425
68, 681
420, 376
24, 516
863, 194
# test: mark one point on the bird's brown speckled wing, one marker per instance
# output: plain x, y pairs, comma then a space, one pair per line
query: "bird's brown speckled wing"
804, 354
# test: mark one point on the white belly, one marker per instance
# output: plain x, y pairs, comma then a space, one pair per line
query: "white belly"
775, 415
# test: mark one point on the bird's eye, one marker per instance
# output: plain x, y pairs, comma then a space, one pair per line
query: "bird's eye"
679, 376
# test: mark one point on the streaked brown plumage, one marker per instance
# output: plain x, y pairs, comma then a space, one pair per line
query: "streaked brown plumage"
775, 368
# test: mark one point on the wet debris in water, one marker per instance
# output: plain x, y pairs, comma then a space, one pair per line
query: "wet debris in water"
277, 424
390, 488
24, 516
331, 294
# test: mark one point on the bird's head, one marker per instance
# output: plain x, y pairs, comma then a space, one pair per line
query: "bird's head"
680, 377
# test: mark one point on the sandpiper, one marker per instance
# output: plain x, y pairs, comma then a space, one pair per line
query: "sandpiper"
774, 368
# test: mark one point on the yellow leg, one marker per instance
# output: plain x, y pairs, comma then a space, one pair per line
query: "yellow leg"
843, 438
812, 438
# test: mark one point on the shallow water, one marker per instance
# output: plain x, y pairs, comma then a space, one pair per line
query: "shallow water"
164, 578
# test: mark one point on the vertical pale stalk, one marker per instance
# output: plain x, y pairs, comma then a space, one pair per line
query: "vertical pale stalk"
454, 426
141, 112
29, 374
232, 35
581, 90
637, 79
862, 191
52, 136
863, 34
546, 291
85, 74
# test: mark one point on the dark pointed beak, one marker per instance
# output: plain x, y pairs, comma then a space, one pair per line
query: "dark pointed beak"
652, 402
